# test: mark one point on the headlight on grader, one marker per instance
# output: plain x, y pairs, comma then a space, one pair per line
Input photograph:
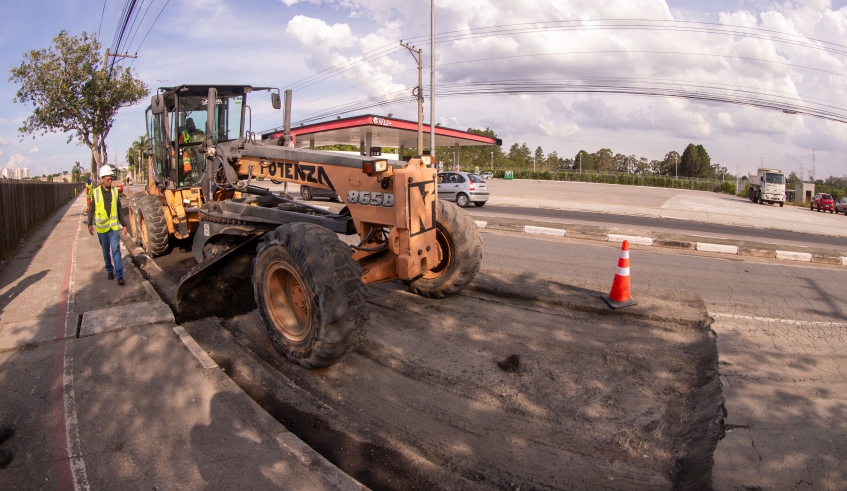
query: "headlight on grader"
375, 167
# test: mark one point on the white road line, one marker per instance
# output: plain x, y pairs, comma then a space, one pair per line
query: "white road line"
77, 463
783, 321
205, 360
481, 224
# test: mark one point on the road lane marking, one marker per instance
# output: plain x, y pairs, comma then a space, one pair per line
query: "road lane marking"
481, 224
783, 321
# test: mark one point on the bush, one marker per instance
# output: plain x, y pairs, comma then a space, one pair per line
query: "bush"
649, 180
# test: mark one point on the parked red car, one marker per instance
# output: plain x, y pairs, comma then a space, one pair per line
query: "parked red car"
822, 202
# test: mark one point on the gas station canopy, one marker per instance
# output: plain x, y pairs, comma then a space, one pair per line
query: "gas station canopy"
377, 131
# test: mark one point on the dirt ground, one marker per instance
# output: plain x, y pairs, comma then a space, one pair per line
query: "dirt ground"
515, 383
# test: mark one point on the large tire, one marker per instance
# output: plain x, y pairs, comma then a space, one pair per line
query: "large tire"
153, 226
310, 294
134, 227
461, 249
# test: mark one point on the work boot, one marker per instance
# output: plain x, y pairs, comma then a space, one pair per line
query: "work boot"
5, 458
121, 281
110, 276
5, 432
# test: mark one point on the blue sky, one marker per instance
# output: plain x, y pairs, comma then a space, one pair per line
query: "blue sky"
277, 42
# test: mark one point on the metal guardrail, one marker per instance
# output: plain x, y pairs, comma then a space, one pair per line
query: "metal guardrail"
26, 204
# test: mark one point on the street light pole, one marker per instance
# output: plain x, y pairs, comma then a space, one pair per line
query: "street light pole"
492, 161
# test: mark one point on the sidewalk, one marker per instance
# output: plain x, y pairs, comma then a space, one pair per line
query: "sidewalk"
106, 392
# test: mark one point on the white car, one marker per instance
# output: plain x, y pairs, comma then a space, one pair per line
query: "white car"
487, 175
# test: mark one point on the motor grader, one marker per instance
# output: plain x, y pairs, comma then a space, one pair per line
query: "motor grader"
309, 285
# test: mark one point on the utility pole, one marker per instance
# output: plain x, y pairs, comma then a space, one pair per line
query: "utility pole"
579, 157
492, 161
432, 81
814, 169
418, 93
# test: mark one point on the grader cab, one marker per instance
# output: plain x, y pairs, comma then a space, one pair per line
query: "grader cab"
309, 285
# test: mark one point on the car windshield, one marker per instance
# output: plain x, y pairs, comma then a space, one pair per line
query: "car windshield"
826, 196
475, 178
774, 178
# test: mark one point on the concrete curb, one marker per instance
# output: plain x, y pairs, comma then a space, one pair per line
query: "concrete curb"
556, 232
671, 244
310, 460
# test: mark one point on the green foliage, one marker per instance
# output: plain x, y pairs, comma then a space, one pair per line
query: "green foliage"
136, 157
70, 92
695, 162
651, 180
339, 148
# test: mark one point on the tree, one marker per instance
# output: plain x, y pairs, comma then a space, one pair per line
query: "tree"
670, 164
604, 160
70, 92
583, 161
136, 157
538, 158
695, 162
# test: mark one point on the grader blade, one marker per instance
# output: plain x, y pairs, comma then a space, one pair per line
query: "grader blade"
203, 269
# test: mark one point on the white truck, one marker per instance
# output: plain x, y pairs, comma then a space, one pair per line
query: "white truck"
767, 186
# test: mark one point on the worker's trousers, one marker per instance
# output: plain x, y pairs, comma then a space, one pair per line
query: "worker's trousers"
110, 242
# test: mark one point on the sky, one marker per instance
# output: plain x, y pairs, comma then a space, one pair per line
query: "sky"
279, 43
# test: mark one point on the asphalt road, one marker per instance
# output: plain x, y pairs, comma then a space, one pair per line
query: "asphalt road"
665, 224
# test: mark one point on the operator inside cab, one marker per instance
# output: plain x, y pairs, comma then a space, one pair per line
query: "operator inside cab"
189, 135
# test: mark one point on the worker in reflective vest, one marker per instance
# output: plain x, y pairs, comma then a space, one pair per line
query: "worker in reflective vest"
88, 196
105, 218
189, 135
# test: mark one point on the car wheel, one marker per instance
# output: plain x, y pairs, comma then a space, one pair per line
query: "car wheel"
830, 211
479, 203
462, 200
781, 205
811, 207
306, 193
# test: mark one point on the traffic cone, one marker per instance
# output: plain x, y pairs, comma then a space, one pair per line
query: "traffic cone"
620, 296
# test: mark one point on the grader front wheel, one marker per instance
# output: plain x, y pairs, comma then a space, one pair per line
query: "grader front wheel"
460, 253
310, 294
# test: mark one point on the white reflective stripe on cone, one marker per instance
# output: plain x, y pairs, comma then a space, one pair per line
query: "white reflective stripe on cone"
622, 271
624, 254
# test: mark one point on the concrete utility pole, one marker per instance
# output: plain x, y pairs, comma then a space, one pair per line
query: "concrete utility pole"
432, 81
417, 54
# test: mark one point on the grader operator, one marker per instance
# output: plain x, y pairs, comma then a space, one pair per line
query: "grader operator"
308, 284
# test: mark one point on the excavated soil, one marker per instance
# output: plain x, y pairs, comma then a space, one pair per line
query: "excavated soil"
516, 383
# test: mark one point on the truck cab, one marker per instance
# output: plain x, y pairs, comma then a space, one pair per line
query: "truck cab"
767, 186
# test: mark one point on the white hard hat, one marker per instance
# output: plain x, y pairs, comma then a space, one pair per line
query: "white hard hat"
106, 170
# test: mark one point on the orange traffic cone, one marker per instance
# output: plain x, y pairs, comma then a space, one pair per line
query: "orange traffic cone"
620, 296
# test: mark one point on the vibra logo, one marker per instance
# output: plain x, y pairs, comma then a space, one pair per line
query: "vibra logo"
421, 207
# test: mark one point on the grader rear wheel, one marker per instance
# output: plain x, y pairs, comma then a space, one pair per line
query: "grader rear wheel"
460, 252
310, 294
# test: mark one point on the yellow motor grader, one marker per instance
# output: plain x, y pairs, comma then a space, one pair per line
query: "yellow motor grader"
309, 285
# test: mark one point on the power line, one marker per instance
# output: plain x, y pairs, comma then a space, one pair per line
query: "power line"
102, 13
151, 26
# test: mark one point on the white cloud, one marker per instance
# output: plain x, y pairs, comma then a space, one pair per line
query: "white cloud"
4, 121
317, 34
33, 150
18, 160
4, 142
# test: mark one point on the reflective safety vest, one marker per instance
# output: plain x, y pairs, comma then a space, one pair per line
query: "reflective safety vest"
88, 190
104, 222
